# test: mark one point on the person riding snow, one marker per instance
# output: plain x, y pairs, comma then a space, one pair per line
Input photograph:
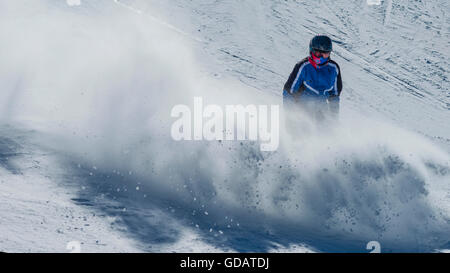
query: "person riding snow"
315, 82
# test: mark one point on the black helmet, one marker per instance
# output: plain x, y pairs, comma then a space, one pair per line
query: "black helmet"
320, 43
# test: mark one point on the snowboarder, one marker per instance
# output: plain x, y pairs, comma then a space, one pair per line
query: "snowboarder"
315, 83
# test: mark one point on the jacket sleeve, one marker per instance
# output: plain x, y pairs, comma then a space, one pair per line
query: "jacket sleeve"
338, 89
296, 76
339, 81
335, 99
288, 85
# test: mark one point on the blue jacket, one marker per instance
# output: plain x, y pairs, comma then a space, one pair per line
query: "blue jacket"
311, 81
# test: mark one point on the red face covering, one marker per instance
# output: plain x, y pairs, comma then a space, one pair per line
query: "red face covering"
317, 59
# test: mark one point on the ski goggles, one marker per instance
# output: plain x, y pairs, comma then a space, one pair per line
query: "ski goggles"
321, 59
319, 53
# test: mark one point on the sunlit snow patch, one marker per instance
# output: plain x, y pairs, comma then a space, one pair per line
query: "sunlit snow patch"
373, 2
292, 248
73, 2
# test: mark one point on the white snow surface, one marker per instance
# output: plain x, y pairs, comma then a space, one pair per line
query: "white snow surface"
85, 147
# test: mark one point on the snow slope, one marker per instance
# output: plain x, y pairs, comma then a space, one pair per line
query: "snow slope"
96, 83
394, 56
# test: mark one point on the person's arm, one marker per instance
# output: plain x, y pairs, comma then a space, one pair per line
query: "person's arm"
334, 99
287, 93
339, 81
292, 87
